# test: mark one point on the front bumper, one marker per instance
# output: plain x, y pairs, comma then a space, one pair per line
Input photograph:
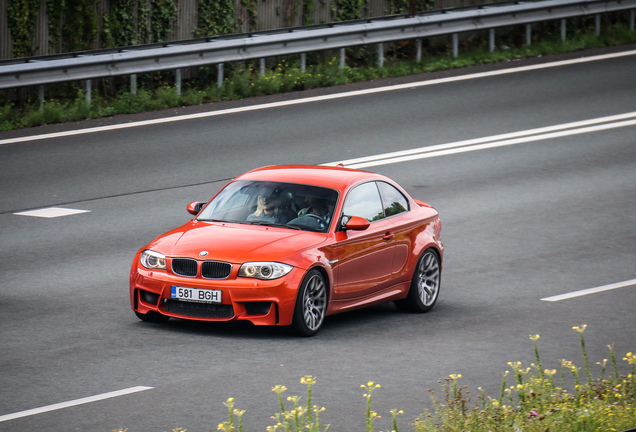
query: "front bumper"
262, 302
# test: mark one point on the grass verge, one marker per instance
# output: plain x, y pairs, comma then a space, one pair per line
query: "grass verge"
245, 81
532, 399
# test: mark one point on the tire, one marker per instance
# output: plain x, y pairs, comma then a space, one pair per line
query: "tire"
152, 317
425, 284
311, 304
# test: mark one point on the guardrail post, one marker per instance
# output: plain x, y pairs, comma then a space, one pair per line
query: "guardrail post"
219, 79
631, 19
380, 55
455, 45
597, 25
528, 34
342, 58
41, 95
261, 66
133, 84
89, 91
418, 50
491, 40
303, 62
563, 29
177, 81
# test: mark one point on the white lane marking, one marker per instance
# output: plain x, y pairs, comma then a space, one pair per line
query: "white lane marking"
72, 403
465, 146
590, 291
320, 98
501, 137
51, 212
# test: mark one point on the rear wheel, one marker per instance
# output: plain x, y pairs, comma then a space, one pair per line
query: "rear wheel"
154, 317
425, 285
311, 304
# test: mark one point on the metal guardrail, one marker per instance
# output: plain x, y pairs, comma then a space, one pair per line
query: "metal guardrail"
176, 55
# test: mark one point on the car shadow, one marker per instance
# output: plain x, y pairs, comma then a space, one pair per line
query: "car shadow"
347, 322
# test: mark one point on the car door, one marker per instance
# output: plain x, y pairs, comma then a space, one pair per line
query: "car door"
396, 208
363, 259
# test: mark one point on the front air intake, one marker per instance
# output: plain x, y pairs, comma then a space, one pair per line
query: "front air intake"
199, 310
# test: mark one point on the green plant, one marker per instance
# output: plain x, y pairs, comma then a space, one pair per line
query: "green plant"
215, 17
133, 22
404, 6
235, 418
80, 27
344, 10
21, 16
162, 14
119, 25
301, 417
251, 11
307, 7
535, 403
7, 116
72, 24
370, 414
580, 330
55, 10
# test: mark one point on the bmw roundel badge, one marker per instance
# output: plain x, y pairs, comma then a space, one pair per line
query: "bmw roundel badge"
203, 253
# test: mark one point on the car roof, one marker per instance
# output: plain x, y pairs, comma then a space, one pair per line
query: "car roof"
339, 178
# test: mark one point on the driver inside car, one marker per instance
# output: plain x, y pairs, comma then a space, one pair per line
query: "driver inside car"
318, 207
269, 209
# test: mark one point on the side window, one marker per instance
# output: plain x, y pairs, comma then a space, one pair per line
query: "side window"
364, 201
393, 200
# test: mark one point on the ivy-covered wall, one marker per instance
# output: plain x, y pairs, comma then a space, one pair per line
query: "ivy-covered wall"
134, 22
21, 20
41, 27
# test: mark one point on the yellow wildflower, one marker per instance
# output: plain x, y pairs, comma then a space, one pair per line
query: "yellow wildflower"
580, 329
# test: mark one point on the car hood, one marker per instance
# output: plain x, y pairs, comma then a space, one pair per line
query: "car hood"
234, 243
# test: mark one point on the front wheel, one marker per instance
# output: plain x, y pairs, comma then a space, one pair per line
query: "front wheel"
425, 285
311, 304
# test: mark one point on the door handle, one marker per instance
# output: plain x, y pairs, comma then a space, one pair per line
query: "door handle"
388, 236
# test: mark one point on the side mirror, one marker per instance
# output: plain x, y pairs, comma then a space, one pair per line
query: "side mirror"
195, 207
357, 223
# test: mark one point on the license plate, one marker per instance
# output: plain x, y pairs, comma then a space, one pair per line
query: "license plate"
195, 295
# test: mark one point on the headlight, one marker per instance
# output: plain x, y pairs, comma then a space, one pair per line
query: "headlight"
264, 270
153, 260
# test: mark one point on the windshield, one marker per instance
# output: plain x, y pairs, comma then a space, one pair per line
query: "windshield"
291, 205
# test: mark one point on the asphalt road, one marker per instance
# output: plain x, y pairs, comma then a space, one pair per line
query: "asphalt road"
523, 220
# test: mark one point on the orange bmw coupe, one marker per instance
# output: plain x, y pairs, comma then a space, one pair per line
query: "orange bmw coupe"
290, 245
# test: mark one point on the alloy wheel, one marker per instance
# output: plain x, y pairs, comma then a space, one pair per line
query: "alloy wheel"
428, 278
314, 302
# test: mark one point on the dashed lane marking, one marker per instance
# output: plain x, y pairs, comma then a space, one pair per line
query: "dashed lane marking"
588, 291
51, 212
72, 403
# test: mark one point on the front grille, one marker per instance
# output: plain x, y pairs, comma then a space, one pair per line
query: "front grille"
184, 267
215, 269
198, 310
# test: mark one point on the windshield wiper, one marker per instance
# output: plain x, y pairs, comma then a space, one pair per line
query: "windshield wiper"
224, 221
272, 224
